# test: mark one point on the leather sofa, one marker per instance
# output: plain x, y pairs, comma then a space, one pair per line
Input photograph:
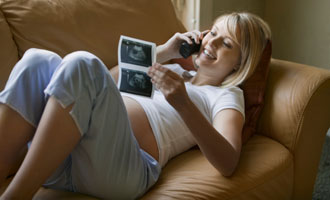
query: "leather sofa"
280, 161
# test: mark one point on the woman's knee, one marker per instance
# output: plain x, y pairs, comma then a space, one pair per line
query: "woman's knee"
84, 60
36, 59
86, 66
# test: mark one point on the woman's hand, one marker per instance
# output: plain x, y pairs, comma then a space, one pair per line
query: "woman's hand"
170, 49
170, 84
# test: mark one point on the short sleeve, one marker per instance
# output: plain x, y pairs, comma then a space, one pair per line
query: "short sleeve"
229, 98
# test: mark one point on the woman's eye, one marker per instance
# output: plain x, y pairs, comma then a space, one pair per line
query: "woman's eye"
227, 45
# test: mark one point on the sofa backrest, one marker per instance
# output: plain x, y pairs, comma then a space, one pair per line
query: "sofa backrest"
8, 51
64, 26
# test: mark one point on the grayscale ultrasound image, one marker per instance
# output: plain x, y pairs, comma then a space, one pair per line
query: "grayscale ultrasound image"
136, 53
135, 82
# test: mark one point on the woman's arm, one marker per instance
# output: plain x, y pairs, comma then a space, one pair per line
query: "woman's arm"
115, 73
220, 142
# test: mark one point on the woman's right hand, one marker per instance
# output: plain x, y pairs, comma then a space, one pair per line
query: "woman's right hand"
170, 49
170, 84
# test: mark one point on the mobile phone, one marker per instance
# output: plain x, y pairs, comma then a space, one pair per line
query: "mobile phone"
187, 50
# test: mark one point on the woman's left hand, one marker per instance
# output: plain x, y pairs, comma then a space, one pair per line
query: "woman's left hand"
170, 84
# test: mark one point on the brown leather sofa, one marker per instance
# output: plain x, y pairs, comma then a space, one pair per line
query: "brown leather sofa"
279, 162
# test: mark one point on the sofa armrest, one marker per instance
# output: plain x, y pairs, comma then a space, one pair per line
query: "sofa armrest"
297, 114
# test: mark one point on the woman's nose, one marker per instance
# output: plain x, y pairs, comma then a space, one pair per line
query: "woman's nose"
214, 41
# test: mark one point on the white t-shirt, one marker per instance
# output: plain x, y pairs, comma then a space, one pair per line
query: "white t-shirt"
172, 135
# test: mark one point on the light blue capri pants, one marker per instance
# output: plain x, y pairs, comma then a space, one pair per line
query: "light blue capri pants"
108, 162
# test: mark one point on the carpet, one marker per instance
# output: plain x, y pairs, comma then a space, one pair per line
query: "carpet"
322, 183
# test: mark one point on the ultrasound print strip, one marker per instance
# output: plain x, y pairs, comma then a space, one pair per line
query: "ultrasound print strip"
135, 82
136, 53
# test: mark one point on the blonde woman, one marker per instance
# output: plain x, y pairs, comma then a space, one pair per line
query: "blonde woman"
89, 138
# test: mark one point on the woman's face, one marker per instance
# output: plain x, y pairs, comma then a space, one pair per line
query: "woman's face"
219, 54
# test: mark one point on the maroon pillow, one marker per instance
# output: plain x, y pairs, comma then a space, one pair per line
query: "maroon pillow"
186, 64
254, 92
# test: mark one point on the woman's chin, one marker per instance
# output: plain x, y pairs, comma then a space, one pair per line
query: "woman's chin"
202, 62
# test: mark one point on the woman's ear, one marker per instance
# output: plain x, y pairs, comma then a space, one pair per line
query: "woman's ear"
236, 68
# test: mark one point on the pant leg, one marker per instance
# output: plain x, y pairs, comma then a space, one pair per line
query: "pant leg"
24, 92
107, 162
27, 81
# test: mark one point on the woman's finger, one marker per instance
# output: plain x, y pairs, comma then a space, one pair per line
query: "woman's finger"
163, 72
185, 38
205, 32
162, 82
194, 35
161, 77
153, 68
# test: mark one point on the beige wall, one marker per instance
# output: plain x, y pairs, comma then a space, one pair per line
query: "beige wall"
211, 9
301, 30
225, 6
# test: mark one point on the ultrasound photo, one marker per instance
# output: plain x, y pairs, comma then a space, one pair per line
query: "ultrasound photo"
136, 53
135, 82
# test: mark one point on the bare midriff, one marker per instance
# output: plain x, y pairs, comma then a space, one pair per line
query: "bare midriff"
141, 127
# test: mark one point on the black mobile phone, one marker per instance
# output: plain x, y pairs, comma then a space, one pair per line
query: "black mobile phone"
187, 50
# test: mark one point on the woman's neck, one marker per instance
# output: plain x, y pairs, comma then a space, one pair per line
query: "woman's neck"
203, 79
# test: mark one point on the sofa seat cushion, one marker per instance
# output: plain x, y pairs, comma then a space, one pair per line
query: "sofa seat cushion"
265, 171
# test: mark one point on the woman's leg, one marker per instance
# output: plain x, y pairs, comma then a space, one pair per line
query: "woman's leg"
108, 162
22, 103
57, 133
15, 132
55, 138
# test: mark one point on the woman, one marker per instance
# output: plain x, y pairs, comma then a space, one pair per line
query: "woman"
89, 138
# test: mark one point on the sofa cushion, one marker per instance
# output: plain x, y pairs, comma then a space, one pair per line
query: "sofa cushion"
65, 26
265, 171
187, 64
265, 166
254, 93
8, 52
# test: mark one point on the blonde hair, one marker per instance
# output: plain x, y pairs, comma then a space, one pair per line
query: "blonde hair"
254, 33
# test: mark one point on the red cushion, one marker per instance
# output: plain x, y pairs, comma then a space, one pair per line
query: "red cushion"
254, 90
186, 64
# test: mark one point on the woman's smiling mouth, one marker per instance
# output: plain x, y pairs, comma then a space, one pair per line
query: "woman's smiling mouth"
208, 54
